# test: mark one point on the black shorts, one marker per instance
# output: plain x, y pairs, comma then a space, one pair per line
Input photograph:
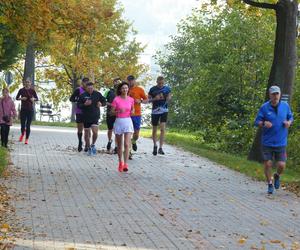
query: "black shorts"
159, 118
79, 118
274, 153
90, 124
110, 121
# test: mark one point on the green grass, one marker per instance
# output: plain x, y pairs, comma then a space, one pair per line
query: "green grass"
3, 159
61, 124
55, 124
188, 141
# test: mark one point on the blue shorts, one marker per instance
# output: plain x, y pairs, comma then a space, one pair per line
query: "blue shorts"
274, 153
137, 121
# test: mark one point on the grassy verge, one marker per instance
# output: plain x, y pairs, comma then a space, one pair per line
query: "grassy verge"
61, 124
102, 126
55, 124
189, 142
3, 159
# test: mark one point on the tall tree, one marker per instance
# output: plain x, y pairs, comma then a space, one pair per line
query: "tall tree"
31, 22
9, 48
91, 40
285, 55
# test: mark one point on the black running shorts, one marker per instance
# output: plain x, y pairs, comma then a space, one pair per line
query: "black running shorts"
159, 118
79, 118
110, 121
90, 124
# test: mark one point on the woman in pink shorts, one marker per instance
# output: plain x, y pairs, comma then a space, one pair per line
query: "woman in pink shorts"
123, 108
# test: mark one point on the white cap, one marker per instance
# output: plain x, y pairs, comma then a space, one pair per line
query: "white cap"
274, 89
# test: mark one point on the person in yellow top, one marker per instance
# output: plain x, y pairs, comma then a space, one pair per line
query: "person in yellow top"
139, 96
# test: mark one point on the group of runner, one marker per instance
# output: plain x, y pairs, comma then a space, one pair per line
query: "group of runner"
123, 115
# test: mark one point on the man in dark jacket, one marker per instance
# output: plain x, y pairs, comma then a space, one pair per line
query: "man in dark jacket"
90, 103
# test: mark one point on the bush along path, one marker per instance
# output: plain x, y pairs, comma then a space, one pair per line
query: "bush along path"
177, 201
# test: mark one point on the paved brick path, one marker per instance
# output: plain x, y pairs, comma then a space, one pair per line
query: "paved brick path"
68, 200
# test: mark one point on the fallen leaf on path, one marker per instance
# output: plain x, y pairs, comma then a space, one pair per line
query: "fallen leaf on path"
5, 228
295, 246
275, 241
264, 223
283, 246
242, 240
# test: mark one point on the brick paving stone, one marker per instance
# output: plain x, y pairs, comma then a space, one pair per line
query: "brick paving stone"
176, 201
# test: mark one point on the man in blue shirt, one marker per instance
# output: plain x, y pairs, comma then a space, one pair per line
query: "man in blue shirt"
274, 117
159, 95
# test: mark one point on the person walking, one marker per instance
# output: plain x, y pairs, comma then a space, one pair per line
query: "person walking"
274, 117
159, 95
139, 96
111, 118
7, 113
123, 108
78, 111
28, 97
90, 103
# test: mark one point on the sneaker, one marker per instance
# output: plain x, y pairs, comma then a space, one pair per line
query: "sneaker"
108, 146
80, 146
270, 189
86, 149
154, 150
94, 150
134, 146
130, 156
116, 150
276, 181
89, 152
121, 165
26, 141
160, 151
21, 138
125, 167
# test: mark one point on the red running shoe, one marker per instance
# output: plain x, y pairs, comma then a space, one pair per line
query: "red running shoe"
125, 167
26, 141
21, 138
121, 165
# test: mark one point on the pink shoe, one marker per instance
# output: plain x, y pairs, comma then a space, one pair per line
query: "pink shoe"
21, 138
121, 165
125, 167
26, 141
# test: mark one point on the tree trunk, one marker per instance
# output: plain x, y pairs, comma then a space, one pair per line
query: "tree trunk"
29, 66
284, 62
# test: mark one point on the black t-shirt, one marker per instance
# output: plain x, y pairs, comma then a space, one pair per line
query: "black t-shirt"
110, 96
91, 112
